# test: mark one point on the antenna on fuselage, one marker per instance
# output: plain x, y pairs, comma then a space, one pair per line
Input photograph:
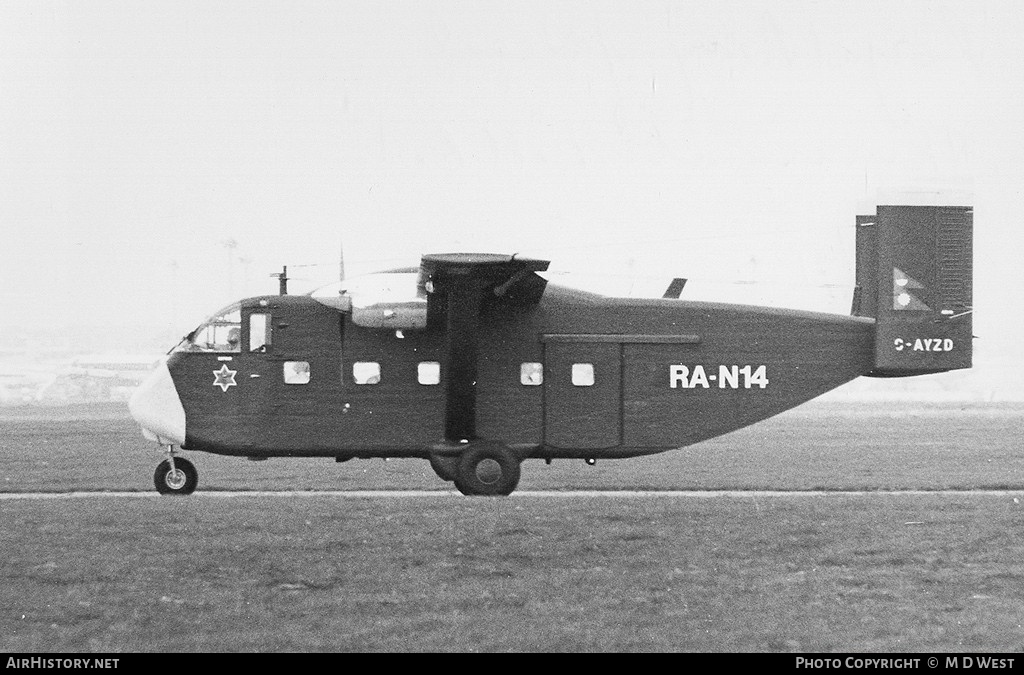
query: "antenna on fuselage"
282, 278
341, 261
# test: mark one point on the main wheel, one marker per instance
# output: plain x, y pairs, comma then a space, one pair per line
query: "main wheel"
487, 468
180, 481
445, 466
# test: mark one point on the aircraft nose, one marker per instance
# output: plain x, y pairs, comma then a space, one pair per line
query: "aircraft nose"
156, 407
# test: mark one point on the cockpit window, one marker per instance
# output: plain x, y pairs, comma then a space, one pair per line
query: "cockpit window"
221, 333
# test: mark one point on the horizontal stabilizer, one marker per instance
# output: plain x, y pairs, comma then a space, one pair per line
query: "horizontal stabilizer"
675, 289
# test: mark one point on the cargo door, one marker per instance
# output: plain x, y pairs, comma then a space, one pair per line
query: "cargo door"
582, 393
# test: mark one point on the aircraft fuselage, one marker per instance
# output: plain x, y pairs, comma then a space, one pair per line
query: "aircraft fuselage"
577, 375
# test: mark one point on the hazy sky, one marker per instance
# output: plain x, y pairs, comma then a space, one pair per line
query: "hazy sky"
159, 159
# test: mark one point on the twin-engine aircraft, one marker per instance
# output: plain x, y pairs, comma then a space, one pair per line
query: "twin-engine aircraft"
475, 363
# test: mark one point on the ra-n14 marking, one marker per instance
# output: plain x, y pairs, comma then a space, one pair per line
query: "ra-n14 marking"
728, 377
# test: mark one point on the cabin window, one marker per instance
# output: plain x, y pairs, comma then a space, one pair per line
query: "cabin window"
221, 333
531, 374
366, 372
583, 374
428, 372
296, 372
259, 332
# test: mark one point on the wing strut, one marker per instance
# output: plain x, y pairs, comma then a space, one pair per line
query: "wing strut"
459, 284
463, 329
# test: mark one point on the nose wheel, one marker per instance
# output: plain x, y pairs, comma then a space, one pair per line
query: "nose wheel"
176, 476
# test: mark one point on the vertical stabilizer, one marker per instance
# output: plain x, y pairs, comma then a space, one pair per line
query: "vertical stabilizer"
914, 267
866, 299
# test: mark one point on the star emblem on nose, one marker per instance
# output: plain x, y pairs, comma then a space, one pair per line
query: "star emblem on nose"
224, 378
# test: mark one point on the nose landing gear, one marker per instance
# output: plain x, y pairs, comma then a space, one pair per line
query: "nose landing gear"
175, 475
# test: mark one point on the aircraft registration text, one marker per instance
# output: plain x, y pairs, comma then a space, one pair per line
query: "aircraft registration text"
924, 345
728, 377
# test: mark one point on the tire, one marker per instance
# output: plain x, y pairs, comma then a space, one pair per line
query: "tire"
182, 482
489, 469
445, 466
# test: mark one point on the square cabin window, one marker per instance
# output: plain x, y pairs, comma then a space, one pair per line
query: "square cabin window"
428, 372
531, 374
296, 372
366, 372
583, 374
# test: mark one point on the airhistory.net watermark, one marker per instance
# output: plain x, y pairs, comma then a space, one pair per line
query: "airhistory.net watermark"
54, 663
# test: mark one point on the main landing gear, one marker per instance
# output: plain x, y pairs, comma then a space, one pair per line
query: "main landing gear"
484, 468
175, 475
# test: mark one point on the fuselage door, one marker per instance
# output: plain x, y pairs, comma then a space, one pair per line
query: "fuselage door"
582, 393
294, 350
257, 372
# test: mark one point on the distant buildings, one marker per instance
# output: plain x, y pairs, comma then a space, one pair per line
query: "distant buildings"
77, 379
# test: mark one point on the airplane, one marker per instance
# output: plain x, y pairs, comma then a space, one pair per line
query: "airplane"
475, 362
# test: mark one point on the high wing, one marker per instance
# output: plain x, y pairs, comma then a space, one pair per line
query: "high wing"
448, 291
413, 298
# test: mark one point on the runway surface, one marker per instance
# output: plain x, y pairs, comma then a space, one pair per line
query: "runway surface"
370, 494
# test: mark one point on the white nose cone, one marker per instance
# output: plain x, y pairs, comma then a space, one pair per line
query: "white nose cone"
155, 405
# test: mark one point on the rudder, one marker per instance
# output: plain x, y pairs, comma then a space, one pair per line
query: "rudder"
914, 276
